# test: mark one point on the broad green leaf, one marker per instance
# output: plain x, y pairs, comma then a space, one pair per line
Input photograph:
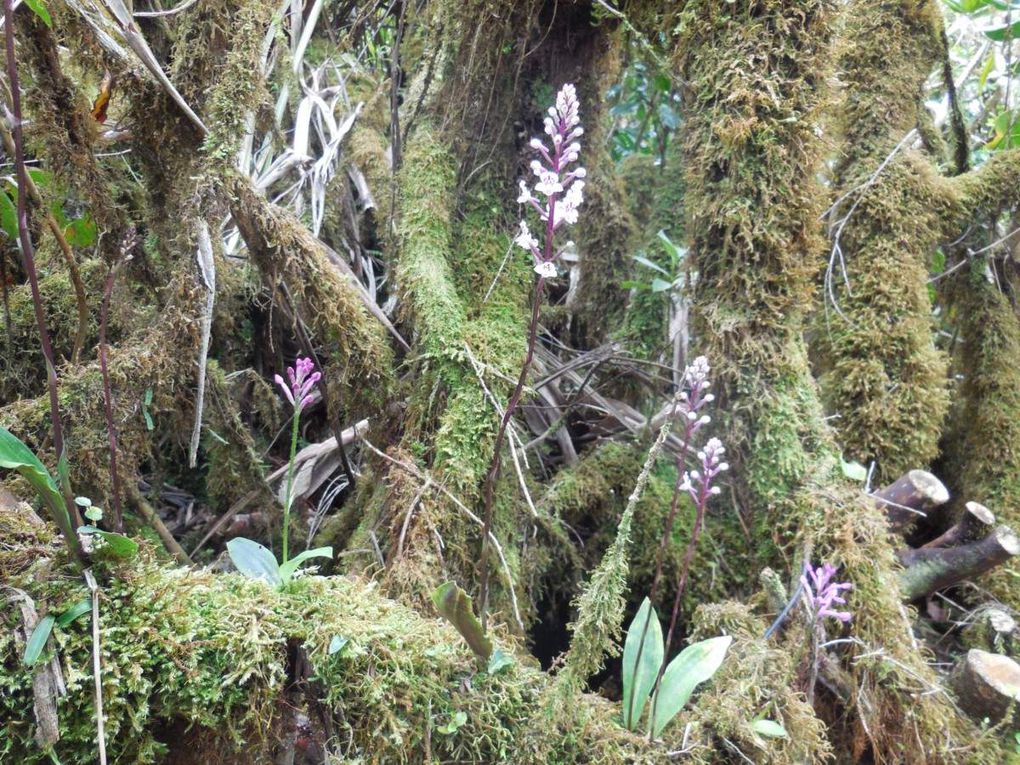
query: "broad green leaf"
769, 729
455, 606
336, 644
675, 253
115, 545
254, 560
695, 664
661, 285
855, 471
1001, 34
287, 569
498, 662
14, 455
8, 216
39, 9
456, 721
37, 641
644, 637
81, 232
78, 609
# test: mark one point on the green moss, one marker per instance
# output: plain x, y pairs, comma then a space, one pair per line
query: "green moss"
194, 660
883, 379
984, 449
752, 158
239, 89
757, 680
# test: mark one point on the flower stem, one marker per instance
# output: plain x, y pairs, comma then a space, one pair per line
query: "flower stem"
28, 259
493, 474
290, 481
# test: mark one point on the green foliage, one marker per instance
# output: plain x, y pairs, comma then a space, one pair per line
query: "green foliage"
258, 562
14, 455
38, 7
693, 666
455, 606
37, 641
642, 658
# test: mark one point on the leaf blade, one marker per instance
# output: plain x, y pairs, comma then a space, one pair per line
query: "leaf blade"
642, 657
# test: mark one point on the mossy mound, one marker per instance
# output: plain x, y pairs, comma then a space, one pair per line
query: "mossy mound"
194, 661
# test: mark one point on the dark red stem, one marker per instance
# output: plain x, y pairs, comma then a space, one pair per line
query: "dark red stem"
28, 256
111, 426
27, 253
493, 474
702, 505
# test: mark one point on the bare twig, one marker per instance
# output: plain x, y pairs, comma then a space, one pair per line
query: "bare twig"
425, 479
207, 267
96, 667
111, 425
67, 525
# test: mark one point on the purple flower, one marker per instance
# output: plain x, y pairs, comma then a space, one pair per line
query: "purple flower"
698, 483
562, 187
299, 391
823, 592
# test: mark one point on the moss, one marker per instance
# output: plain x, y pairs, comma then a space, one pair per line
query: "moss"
315, 291
757, 680
239, 88
605, 231
194, 660
22, 370
984, 450
884, 380
752, 158
159, 357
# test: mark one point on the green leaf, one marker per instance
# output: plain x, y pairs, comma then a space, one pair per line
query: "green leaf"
1002, 34
115, 545
661, 285
499, 661
769, 729
455, 606
695, 664
644, 637
81, 232
94, 513
336, 644
986, 70
675, 252
37, 641
287, 569
254, 560
855, 471
146, 402
78, 609
8, 216
456, 721
83, 502
39, 9
14, 455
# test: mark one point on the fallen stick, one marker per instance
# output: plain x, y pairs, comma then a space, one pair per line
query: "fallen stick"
928, 570
909, 497
975, 521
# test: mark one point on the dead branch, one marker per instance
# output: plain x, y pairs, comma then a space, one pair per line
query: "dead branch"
928, 570
909, 497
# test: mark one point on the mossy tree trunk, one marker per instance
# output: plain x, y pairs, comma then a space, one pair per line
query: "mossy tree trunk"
440, 138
